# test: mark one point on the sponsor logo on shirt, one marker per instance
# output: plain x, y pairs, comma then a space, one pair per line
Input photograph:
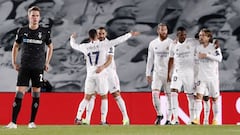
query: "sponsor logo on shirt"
34, 41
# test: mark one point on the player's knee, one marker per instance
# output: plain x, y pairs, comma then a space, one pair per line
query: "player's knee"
35, 94
19, 95
205, 98
104, 96
116, 94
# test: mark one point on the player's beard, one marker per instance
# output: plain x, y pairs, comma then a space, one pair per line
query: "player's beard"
163, 36
101, 39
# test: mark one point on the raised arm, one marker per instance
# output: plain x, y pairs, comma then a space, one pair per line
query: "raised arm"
121, 39
73, 43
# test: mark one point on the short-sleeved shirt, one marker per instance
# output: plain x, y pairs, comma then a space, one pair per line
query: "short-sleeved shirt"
32, 46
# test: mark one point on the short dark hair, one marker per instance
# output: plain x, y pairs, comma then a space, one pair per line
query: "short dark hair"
181, 28
33, 8
92, 33
102, 28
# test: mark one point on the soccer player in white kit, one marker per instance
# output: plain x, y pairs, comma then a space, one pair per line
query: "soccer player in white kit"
181, 65
95, 52
113, 82
157, 60
208, 74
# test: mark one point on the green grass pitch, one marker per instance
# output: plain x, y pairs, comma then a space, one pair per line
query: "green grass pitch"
123, 130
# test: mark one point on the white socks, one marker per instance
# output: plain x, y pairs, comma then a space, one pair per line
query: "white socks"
89, 108
215, 108
198, 107
206, 106
191, 101
104, 110
156, 102
81, 108
122, 107
169, 102
174, 96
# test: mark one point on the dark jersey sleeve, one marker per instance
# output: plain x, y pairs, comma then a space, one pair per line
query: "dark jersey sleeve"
48, 37
19, 37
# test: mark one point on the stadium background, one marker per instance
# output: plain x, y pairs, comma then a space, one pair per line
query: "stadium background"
68, 68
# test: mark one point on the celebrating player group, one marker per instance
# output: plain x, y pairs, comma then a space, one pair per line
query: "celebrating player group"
188, 64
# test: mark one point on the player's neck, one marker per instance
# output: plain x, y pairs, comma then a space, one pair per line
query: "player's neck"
33, 26
205, 44
162, 38
93, 39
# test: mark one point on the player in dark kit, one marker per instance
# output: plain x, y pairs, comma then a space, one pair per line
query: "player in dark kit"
31, 41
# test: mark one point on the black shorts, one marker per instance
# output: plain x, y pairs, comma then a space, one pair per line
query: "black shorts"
25, 75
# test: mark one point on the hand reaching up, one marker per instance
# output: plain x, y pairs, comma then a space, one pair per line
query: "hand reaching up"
74, 35
134, 33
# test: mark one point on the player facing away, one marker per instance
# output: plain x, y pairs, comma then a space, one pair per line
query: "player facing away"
157, 60
31, 40
208, 74
95, 52
113, 83
182, 65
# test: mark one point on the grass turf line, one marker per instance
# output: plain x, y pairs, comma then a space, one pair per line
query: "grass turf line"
123, 130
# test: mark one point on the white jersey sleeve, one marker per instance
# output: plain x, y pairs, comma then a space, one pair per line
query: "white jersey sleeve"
74, 45
171, 50
118, 40
105, 45
217, 57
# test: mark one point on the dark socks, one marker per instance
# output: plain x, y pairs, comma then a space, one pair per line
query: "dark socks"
35, 105
16, 108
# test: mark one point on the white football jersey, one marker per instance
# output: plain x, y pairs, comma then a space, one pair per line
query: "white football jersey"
112, 66
96, 51
208, 67
158, 56
111, 51
183, 55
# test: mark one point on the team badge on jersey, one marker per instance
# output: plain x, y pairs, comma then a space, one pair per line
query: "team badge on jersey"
188, 47
167, 48
25, 34
39, 35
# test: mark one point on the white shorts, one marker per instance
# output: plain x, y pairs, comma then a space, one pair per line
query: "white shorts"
96, 83
212, 86
185, 81
159, 82
113, 81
